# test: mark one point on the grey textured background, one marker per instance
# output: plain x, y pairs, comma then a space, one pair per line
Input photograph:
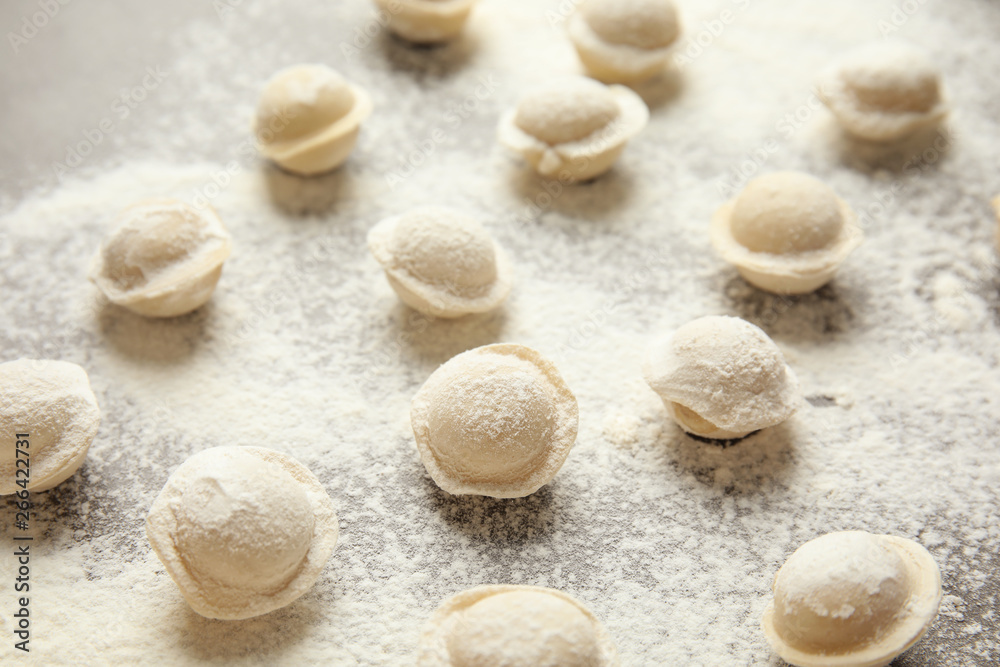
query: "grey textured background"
648, 527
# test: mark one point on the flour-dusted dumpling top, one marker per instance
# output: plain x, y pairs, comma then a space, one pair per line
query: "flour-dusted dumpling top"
50, 402
515, 626
309, 117
242, 530
852, 599
787, 232
624, 41
163, 259
574, 128
494, 421
722, 378
441, 262
884, 91
426, 21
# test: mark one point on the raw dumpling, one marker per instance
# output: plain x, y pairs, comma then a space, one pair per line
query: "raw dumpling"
163, 259
515, 626
441, 262
52, 404
852, 599
573, 129
722, 378
786, 233
494, 421
242, 531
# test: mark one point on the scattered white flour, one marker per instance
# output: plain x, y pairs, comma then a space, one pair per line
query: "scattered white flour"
304, 347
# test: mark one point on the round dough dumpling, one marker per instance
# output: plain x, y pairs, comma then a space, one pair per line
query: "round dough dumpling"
163, 259
242, 531
426, 21
786, 232
515, 626
573, 129
884, 91
441, 262
625, 41
852, 599
51, 404
722, 378
309, 118
494, 421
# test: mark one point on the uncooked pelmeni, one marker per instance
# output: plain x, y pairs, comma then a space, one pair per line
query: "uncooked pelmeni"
309, 117
852, 599
625, 41
574, 128
441, 262
52, 403
163, 259
786, 233
494, 421
242, 530
426, 21
722, 378
515, 626
884, 91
